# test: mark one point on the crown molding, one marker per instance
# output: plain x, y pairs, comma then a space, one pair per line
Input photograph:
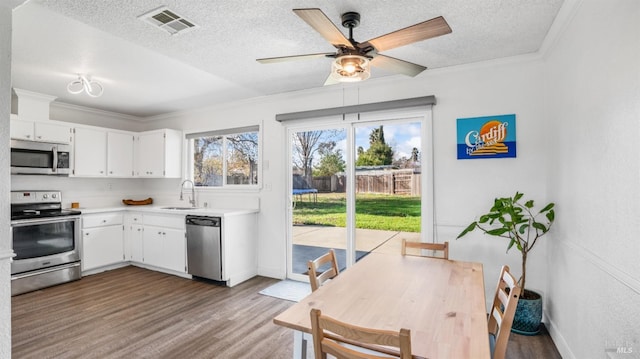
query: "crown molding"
94, 111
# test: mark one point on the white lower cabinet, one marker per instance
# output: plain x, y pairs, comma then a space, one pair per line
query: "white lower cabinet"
133, 245
164, 242
102, 240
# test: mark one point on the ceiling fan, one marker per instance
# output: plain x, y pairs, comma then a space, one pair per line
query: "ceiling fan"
352, 58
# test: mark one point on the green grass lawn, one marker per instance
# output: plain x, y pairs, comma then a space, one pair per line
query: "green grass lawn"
384, 212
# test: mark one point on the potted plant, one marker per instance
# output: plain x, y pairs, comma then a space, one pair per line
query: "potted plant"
518, 222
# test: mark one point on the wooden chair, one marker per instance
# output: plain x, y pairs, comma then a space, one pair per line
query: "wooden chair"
346, 341
442, 247
502, 312
316, 279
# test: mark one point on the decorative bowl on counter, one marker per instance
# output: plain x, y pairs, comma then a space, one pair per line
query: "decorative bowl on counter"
131, 202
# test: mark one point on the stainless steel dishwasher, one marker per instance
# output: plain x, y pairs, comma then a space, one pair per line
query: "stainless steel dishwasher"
204, 255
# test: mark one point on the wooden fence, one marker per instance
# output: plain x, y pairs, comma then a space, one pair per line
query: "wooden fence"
401, 182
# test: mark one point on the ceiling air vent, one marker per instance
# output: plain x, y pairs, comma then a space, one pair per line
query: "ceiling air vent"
167, 20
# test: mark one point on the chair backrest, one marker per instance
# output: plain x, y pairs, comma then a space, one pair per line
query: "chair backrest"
442, 247
346, 341
316, 279
502, 312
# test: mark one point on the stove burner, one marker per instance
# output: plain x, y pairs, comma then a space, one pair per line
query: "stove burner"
38, 204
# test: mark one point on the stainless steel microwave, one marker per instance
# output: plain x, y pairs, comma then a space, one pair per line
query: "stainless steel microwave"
40, 158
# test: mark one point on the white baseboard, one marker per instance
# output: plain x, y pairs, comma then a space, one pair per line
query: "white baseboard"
558, 340
271, 273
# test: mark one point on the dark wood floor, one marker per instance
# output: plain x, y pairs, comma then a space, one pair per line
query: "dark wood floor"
137, 313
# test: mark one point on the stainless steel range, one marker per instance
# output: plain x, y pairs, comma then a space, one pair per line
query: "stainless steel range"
46, 241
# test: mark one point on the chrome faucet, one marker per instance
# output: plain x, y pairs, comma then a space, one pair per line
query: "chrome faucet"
192, 199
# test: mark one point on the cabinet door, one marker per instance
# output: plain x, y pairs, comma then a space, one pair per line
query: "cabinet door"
134, 252
137, 244
174, 250
48, 132
120, 154
152, 242
101, 246
90, 152
151, 154
21, 130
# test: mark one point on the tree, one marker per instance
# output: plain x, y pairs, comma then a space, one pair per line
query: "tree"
331, 160
306, 144
379, 152
414, 154
207, 161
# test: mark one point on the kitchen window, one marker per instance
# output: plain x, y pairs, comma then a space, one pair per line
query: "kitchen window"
225, 158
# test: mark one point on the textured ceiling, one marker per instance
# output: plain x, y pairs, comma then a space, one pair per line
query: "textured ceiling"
145, 71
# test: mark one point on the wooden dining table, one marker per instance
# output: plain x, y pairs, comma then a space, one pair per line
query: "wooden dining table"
442, 303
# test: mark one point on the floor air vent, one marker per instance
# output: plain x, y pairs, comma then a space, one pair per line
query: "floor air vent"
167, 20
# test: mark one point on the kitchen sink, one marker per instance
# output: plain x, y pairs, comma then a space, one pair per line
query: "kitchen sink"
179, 208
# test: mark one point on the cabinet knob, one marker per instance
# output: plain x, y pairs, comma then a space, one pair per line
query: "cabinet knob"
28, 136
110, 172
101, 172
104, 221
163, 233
39, 137
159, 232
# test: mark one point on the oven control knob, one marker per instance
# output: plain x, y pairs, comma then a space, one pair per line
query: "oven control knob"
45, 196
54, 195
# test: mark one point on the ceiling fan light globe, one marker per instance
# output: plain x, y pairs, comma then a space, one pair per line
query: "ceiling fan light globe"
350, 68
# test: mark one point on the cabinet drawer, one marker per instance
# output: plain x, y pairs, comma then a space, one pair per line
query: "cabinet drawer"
133, 218
176, 221
101, 220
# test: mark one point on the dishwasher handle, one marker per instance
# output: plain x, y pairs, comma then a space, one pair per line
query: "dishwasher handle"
203, 221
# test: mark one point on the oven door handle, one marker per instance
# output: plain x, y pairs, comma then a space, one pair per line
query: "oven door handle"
43, 271
28, 222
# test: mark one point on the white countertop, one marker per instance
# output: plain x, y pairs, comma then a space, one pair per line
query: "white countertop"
217, 212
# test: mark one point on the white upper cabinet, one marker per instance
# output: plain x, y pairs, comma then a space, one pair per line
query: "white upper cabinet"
159, 154
40, 131
22, 130
90, 152
120, 154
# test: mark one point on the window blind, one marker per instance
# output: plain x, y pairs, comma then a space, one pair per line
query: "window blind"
223, 132
367, 107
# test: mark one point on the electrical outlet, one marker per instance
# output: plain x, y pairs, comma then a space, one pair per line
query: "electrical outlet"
109, 186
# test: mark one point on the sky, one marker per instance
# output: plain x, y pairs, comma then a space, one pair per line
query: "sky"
401, 137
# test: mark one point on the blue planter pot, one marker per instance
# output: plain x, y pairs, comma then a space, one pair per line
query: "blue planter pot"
528, 315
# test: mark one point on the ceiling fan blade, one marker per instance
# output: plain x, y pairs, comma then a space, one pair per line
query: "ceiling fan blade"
271, 60
425, 30
396, 65
331, 81
321, 23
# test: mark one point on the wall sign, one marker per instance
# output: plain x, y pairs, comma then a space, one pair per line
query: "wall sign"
487, 137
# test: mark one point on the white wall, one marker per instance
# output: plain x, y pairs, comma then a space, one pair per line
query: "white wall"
463, 188
593, 114
5, 212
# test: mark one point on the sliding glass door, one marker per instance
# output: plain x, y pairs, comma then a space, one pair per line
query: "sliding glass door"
357, 187
318, 196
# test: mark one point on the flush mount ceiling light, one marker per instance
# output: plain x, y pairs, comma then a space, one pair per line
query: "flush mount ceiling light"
83, 83
350, 68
